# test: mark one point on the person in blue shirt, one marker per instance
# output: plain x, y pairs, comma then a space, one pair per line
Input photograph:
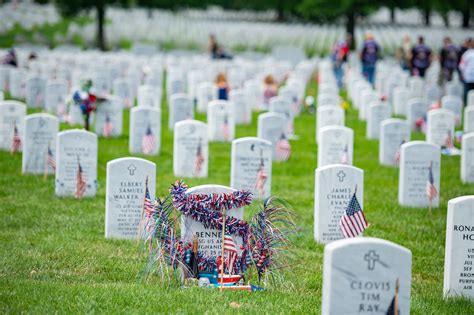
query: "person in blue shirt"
368, 56
420, 58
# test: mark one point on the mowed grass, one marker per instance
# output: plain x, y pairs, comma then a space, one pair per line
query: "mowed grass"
55, 259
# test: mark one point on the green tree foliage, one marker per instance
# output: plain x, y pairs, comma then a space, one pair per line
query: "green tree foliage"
74, 7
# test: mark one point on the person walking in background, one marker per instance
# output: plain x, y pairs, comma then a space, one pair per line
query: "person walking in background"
339, 58
403, 53
368, 56
420, 58
449, 59
466, 67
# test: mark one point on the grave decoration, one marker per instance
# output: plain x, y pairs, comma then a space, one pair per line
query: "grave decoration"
257, 245
86, 100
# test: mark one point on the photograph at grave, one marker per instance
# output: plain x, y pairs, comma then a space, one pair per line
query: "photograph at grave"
322, 152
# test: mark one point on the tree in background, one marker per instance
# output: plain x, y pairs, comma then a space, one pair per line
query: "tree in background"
326, 11
74, 7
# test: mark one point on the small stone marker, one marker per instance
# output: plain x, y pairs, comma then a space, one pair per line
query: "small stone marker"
12, 114
145, 130
440, 127
393, 133
220, 121
181, 108
328, 116
109, 117
467, 158
376, 114
336, 144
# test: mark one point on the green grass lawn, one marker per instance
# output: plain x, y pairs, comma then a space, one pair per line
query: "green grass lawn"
54, 257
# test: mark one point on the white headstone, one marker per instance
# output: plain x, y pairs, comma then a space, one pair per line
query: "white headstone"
145, 130
416, 109
190, 149
459, 253
281, 105
376, 114
123, 89
55, 97
336, 145
149, 96
220, 121
454, 104
393, 133
181, 108
440, 127
469, 119
125, 193
18, 83
12, 113
415, 161
467, 158
206, 92
35, 92
210, 240
271, 126
360, 276
328, 116
39, 141
109, 117
334, 187
242, 109
400, 100
251, 166
76, 147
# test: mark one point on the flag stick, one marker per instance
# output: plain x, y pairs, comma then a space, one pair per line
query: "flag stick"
45, 166
143, 210
430, 207
395, 306
222, 255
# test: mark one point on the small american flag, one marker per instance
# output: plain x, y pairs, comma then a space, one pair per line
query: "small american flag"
148, 204
226, 129
108, 127
449, 141
148, 141
353, 221
431, 191
198, 161
50, 160
80, 182
230, 251
16, 141
261, 179
345, 155
283, 148
398, 153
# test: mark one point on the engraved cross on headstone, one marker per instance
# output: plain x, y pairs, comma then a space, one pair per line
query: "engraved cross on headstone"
371, 257
131, 168
341, 174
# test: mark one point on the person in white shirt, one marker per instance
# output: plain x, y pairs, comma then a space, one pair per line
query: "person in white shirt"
466, 66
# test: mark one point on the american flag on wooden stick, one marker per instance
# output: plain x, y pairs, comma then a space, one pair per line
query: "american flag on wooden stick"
148, 141
226, 128
80, 182
108, 127
431, 191
353, 222
50, 160
16, 140
449, 141
230, 251
345, 155
261, 179
198, 161
283, 148
398, 153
